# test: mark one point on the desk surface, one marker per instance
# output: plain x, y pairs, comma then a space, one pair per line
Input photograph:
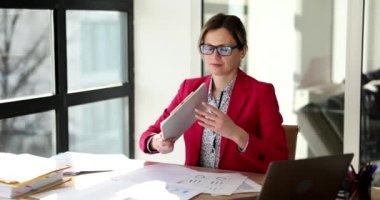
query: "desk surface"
89, 178
258, 178
86, 179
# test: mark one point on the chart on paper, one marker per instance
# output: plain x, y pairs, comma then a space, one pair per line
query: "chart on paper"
214, 183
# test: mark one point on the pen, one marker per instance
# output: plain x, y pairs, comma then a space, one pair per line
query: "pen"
373, 168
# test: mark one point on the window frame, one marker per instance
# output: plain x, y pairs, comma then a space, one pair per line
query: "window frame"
62, 100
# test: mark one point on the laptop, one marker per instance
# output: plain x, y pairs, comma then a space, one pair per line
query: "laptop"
311, 178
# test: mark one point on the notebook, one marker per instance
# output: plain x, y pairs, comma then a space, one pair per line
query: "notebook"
183, 116
311, 178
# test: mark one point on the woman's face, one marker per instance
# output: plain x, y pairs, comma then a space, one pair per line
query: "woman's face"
222, 65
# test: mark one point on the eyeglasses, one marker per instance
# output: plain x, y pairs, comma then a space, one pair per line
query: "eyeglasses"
207, 49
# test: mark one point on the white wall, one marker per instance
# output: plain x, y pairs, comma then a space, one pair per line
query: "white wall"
269, 51
266, 20
166, 33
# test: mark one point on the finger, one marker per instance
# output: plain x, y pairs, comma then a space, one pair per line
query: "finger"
209, 113
209, 126
165, 143
207, 106
167, 148
201, 118
162, 139
204, 109
208, 118
160, 136
163, 147
210, 108
200, 112
170, 140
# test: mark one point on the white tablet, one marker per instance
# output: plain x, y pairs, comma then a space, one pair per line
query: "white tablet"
183, 116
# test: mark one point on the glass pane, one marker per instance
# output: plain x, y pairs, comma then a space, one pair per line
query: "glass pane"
96, 49
319, 74
26, 53
99, 127
33, 134
370, 115
299, 47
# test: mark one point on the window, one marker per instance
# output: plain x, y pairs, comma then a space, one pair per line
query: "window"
66, 76
299, 47
370, 103
98, 127
95, 49
26, 54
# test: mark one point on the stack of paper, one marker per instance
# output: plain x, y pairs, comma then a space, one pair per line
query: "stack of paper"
23, 173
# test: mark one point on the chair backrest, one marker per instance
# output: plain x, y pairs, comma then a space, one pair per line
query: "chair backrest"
291, 132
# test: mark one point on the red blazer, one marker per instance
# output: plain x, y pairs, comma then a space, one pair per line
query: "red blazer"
253, 106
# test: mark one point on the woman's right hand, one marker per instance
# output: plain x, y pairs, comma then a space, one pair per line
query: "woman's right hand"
162, 145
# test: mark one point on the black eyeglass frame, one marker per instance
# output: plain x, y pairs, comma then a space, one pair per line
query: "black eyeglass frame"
218, 49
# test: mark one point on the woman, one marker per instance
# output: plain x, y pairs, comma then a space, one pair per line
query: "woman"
241, 129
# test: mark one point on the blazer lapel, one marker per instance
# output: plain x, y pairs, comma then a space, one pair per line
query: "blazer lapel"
236, 105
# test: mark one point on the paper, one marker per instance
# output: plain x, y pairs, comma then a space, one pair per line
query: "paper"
183, 115
248, 186
156, 181
19, 168
148, 182
24, 173
214, 183
180, 177
121, 190
168, 173
87, 162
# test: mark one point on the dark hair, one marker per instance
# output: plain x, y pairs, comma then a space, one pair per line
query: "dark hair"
229, 22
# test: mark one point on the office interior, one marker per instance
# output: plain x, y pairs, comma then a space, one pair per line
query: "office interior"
91, 76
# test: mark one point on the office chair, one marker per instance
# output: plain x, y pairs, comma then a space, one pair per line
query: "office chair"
291, 132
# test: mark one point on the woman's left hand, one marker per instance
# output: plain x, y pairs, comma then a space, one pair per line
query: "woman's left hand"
216, 121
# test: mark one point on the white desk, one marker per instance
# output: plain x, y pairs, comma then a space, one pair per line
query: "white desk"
91, 179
